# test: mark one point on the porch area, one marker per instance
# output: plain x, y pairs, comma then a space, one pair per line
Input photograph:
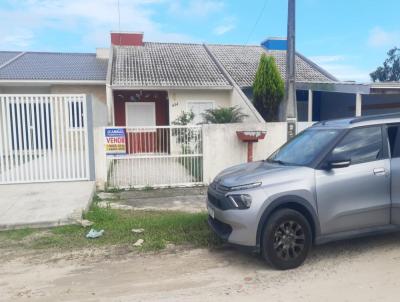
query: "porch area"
157, 153
157, 156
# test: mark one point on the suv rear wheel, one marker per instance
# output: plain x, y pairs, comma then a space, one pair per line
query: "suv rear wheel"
286, 239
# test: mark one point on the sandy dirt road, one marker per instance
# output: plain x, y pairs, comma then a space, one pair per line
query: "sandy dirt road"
358, 270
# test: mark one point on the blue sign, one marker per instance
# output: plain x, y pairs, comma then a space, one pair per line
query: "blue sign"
115, 141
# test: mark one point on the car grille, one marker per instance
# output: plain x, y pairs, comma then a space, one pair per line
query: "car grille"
215, 201
216, 196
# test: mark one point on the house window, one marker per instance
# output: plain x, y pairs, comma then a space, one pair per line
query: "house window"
140, 114
199, 107
75, 118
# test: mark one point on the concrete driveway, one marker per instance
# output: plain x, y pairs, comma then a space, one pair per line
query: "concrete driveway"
43, 204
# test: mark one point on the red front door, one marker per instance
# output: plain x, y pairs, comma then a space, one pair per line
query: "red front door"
140, 112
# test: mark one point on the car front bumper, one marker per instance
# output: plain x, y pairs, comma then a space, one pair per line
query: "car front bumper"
231, 226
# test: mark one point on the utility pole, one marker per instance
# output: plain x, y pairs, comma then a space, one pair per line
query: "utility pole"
290, 104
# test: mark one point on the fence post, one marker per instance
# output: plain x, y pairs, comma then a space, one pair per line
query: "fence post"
205, 130
90, 138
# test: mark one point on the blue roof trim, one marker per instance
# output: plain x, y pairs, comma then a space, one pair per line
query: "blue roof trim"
275, 44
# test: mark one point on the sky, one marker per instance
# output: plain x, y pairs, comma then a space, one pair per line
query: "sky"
349, 38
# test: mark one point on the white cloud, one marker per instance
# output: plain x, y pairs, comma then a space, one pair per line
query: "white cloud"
223, 29
327, 59
227, 25
91, 20
196, 8
342, 67
378, 37
21, 39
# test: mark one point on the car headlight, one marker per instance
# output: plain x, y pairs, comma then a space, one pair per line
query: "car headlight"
240, 201
246, 186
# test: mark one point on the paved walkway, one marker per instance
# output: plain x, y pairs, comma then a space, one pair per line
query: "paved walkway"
190, 200
43, 204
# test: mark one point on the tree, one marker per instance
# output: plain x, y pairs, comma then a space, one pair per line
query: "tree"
268, 89
223, 115
390, 71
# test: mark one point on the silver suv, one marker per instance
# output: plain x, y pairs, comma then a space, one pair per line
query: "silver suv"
336, 180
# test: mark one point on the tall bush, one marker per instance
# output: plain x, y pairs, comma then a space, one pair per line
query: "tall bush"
268, 89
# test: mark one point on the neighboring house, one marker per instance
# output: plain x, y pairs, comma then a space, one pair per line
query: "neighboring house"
57, 73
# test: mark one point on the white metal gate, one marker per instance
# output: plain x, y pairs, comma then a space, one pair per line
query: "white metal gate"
43, 138
158, 156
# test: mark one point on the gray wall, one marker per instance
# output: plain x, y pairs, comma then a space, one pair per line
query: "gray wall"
380, 103
335, 105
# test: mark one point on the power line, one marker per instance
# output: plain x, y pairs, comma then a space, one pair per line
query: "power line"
257, 20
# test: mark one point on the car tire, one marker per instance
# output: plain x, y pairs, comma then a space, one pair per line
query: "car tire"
286, 239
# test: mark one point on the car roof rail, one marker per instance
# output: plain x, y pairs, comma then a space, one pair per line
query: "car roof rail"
375, 117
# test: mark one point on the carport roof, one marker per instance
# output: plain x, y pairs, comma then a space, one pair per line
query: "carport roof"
52, 66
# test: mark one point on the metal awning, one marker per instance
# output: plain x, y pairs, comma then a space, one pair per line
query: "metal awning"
341, 87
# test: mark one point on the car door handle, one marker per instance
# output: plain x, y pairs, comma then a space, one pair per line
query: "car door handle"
380, 172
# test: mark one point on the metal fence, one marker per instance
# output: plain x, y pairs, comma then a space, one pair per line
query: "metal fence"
43, 138
158, 156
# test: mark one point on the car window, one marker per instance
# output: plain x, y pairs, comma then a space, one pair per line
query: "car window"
394, 139
305, 147
360, 145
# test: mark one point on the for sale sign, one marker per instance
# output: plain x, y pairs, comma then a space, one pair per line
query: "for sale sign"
115, 141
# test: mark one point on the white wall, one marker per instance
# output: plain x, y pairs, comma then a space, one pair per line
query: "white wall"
101, 165
222, 148
238, 98
178, 99
98, 94
25, 89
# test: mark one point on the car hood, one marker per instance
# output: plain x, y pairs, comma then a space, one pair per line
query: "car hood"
250, 173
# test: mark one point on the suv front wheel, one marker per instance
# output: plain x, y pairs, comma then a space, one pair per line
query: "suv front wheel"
286, 239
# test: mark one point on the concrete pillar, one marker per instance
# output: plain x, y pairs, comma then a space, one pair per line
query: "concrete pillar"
310, 105
110, 106
358, 104
100, 158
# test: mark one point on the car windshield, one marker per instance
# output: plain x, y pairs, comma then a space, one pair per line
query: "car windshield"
303, 149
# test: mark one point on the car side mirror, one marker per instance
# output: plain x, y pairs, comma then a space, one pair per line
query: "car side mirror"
338, 164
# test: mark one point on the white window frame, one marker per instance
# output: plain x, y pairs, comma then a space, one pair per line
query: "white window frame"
152, 123
199, 101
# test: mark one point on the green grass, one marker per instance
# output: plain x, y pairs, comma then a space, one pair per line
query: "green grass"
160, 228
